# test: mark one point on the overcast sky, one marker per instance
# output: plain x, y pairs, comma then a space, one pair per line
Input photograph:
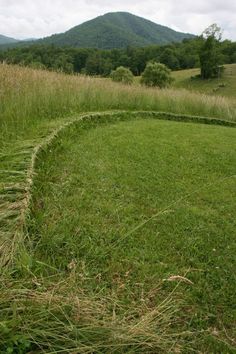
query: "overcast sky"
39, 18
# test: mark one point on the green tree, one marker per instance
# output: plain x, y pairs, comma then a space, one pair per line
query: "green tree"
62, 65
156, 74
122, 74
210, 58
169, 58
93, 63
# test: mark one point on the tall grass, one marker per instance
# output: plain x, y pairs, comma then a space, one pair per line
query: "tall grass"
29, 98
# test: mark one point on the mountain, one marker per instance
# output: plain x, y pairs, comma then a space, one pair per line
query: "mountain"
116, 30
30, 39
6, 40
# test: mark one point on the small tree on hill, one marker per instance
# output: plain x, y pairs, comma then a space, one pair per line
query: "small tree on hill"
122, 74
209, 53
156, 74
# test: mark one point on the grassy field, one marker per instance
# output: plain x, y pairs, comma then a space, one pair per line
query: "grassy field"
116, 231
31, 99
225, 86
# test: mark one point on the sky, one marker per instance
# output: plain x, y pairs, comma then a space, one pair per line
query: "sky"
23, 19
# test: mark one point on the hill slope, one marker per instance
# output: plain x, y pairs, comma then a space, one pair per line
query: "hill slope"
116, 30
224, 86
6, 40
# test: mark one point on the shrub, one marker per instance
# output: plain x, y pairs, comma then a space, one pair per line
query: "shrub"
122, 74
156, 74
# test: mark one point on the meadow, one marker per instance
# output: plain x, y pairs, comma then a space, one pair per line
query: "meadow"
117, 217
30, 99
224, 86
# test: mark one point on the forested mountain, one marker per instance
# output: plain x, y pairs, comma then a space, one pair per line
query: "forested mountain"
6, 40
116, 30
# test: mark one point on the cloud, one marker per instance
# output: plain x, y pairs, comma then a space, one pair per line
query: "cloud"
39, 18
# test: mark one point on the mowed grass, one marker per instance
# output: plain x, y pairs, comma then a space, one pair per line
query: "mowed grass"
125, 206
224, 86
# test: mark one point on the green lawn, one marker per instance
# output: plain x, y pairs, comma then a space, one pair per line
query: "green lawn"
225, 86
129, 204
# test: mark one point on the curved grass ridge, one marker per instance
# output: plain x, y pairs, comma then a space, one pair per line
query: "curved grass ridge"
15, 192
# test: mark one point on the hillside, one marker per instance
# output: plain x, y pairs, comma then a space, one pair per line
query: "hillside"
224, 86
6, 40
116, 30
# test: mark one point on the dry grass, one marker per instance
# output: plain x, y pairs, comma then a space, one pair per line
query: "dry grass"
60, 317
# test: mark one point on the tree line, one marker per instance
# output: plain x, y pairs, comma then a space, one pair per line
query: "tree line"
176, 56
